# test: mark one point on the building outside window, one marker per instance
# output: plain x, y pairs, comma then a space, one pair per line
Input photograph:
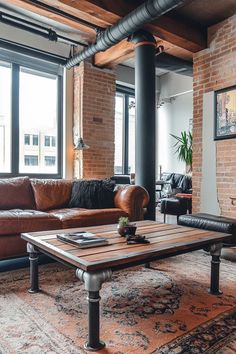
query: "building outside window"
31, 160
27, 139
53, 141
35, 140
47, 141
124, 131
30, 118
50, 160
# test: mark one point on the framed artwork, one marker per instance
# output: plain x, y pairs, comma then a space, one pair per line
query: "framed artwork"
225, 113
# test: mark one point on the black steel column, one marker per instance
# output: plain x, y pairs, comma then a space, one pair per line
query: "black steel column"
145, 103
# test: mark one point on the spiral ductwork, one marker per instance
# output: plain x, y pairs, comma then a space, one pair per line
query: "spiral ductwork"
129, 24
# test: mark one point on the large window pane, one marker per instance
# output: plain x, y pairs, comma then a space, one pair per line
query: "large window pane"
5, 117
119, 121
131, 157
37, 118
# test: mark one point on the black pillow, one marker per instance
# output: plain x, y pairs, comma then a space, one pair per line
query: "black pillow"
92, 194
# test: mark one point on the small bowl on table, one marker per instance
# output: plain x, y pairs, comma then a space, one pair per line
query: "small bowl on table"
126, 230
130, 230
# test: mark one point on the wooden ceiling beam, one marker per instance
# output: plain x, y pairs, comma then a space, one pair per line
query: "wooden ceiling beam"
177, 37
125, 50
115, 55
87, 33
174, 31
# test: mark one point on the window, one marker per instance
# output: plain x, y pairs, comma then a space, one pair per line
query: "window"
50, 160
5, 117
124, 131
47, 140
35, 140
27, 139
31, 160
30, 118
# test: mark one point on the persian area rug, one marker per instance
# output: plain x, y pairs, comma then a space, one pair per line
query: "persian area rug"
162, 310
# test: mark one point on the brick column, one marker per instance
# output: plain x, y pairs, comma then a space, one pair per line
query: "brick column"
94, 101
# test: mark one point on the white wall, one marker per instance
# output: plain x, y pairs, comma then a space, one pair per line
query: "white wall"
125, 76
208, 198
172, 118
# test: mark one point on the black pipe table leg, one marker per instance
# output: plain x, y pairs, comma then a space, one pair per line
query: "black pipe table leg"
34, 278
215, 252
93, 283
94, 343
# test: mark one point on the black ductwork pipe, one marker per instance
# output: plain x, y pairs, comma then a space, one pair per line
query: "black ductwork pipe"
172, 63
129, 24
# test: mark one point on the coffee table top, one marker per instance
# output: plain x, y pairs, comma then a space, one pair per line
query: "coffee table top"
165, 240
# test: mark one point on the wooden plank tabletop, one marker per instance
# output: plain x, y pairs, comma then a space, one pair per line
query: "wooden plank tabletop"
165, 240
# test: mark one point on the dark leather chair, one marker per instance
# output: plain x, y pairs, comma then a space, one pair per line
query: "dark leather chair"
173, 206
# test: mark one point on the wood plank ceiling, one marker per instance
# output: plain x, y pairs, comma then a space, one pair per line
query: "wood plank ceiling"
179, 32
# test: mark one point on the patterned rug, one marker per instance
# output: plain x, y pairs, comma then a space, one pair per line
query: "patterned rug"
162, 310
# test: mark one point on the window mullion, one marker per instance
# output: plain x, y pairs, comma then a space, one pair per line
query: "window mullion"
15, 120
60, 124
126, 135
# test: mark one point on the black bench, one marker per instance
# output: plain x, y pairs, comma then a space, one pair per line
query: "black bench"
211, 222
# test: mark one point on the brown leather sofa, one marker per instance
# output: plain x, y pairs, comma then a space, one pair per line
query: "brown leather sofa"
38, 205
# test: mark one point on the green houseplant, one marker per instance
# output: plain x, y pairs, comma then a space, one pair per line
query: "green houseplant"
184, 148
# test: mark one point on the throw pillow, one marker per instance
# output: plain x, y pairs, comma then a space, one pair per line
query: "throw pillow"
92, 194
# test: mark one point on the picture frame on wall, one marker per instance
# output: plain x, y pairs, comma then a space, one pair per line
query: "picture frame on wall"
225, 113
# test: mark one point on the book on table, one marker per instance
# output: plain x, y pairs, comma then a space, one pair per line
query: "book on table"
82, 239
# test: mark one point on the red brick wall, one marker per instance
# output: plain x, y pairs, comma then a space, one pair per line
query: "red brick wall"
97, 102
214, 69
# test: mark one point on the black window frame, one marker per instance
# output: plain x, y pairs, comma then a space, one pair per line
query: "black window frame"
15, 128
127, 92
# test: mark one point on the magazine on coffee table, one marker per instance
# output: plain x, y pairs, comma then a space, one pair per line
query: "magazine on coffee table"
82, 239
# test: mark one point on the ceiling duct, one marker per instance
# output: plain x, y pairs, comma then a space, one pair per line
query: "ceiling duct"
129, 24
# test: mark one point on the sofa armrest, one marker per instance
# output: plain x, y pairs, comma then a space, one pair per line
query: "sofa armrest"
132, 199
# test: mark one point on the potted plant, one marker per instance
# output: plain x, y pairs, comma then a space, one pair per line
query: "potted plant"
124, 226
184, 148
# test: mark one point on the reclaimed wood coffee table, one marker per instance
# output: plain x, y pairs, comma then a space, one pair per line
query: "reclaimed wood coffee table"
95, 265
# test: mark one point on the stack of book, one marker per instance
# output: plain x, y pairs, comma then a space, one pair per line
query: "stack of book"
82, 239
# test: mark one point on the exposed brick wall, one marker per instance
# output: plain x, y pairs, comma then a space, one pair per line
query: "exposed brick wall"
96, 104
214, 69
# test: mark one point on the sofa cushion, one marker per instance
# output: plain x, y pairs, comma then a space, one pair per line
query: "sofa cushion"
16, 193
77, 217
51, 193
92, 194
17, 221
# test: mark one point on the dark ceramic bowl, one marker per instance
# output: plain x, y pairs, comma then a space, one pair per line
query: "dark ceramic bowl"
130, 230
